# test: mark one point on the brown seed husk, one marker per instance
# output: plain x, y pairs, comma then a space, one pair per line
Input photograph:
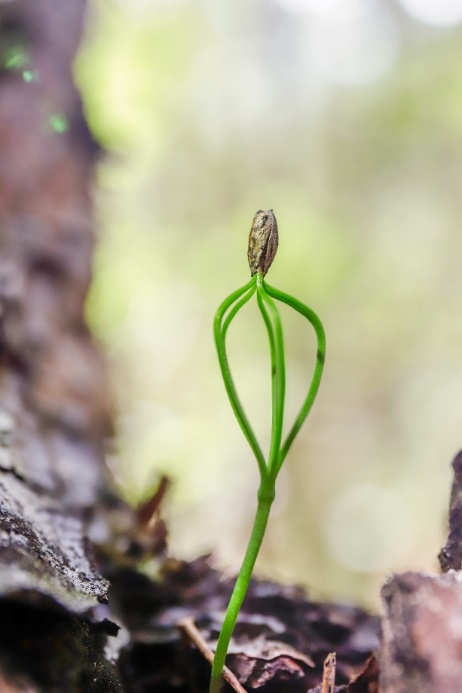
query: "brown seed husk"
263, 241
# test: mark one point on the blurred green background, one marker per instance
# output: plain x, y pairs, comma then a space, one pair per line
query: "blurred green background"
345, 117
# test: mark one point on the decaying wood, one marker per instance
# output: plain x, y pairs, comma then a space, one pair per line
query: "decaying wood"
422, 634
53, 406
422, 625
450, 556
279, 644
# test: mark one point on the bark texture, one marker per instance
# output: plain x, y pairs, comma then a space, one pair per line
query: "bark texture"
53, 405
422, 623
422, 634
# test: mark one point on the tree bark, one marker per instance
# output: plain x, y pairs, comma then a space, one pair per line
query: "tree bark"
54, 412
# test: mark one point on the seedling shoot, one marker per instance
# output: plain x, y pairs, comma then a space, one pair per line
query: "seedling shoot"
263, 244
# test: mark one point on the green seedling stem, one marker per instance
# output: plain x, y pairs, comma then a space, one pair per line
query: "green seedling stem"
263, 242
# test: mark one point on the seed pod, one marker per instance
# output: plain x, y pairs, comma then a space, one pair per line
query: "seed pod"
263, 241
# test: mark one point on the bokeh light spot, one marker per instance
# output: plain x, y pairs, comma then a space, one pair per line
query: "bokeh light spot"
355, 47
442, 13
30, 76
16, 58
59, 122
316, 7
368, 528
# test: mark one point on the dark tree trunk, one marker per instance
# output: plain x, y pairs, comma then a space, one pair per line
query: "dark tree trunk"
53, 405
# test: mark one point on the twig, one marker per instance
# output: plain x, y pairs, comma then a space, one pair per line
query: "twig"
188, 627
328, 674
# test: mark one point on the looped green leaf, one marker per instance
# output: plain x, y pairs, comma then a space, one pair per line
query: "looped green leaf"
224, 315
305, 409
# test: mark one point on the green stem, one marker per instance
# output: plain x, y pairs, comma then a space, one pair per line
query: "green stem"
265, 499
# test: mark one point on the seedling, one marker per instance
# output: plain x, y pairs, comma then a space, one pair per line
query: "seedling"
263, 244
